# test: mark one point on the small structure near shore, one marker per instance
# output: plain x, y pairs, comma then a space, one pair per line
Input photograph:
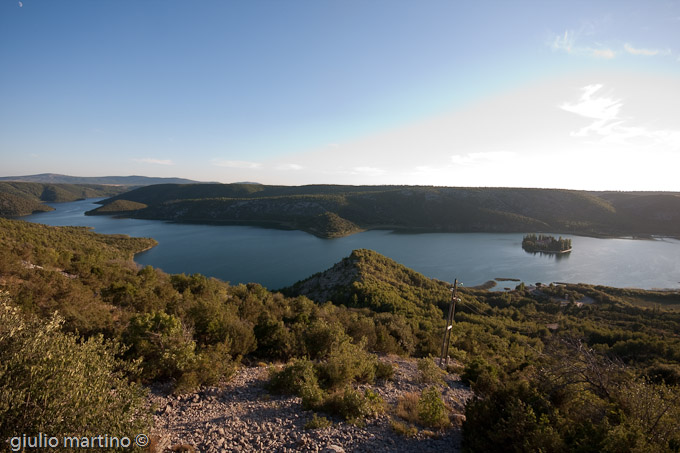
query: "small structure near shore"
545, 244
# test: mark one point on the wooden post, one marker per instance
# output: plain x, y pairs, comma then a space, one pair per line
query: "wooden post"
449, 325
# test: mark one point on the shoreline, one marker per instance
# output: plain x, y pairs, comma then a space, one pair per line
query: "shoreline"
395, 229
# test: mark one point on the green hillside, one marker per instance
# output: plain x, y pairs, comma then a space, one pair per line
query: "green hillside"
23, 198
371, 280
553, 367
332, 211
117, 207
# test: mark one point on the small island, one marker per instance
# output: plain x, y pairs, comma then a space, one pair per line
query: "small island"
545, 244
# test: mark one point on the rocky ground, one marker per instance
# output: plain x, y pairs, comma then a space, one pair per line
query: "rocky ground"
242, 415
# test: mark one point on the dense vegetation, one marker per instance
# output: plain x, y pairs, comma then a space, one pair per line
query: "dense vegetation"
23, 198
119, 207
54, 383
545, 243
331, 211
554, 367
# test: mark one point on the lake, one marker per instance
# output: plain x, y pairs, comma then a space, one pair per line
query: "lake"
278, 258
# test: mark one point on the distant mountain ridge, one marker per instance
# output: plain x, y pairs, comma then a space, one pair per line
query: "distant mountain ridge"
134, 180
334, 211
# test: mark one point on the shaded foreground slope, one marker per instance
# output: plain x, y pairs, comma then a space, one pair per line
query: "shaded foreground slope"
332, 211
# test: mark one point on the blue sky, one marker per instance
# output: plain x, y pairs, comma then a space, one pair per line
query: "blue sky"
349, 92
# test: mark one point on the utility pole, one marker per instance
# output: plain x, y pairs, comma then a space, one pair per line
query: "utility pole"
449, 325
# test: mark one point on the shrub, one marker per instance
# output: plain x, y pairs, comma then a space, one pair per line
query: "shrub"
352, 405
58, 384
298, 378
384, 370
211, 364
407, 407
317, 422
274, 340
160, 339
346, 363
517, 411
292, 377
321, 337
431, 409
403, 429
430, 373
480, 375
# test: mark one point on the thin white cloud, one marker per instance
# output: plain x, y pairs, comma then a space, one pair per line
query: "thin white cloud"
571, 43
645, 52
567, 42
604, 110
610, 125
607, 54
236, 164
150, 160
563, 42
588, 105
482, 157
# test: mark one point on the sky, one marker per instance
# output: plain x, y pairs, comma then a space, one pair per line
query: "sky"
559, 94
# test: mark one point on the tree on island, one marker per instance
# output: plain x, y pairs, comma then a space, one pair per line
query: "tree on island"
545, 243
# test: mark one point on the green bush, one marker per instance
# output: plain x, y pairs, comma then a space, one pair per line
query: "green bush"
163, 344
210, 365
321, 337
298, 378
353, 406
480, 375
317, 422
274, 340
347, 363
58, 384
384, 370
431, 409
515, 416
430, 373
403, 429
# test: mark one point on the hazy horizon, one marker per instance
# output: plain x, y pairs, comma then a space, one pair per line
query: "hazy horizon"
571, 95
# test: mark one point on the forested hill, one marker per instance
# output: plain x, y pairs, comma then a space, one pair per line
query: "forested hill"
23, 198
332, 211
369, 279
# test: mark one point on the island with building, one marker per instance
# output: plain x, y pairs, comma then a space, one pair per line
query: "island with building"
545, 244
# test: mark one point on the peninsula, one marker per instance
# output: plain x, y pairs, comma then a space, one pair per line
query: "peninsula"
333, 211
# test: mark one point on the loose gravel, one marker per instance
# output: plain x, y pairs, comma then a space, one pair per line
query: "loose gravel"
242, 416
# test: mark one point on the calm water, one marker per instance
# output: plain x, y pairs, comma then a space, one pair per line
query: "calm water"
277, 258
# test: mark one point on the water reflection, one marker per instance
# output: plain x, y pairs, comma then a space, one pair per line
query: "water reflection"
553, 255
